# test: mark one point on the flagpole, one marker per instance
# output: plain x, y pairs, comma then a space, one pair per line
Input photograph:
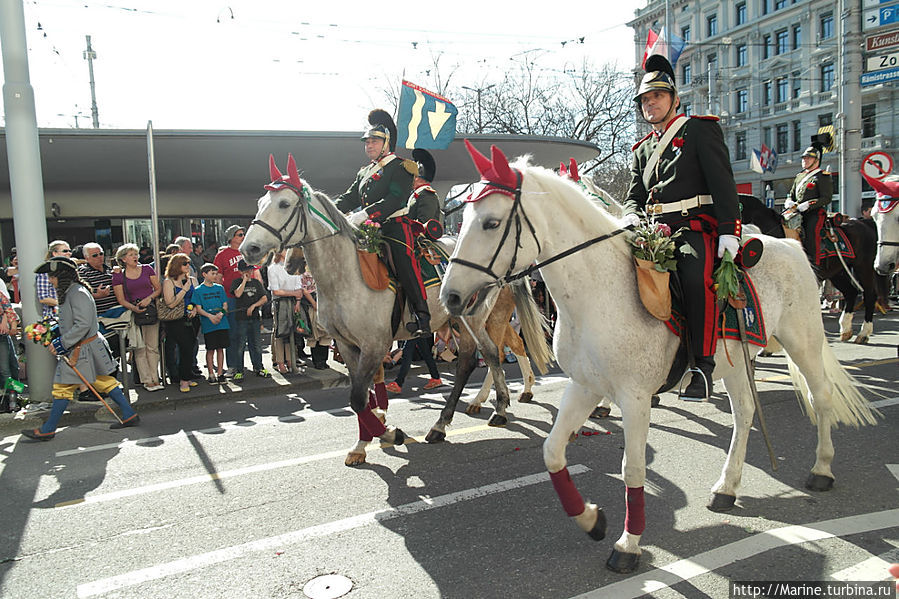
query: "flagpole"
668, 30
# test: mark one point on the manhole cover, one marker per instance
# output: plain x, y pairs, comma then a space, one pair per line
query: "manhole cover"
329, 586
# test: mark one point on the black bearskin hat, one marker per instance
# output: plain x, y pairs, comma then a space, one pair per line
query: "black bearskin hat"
381, 127
427, 168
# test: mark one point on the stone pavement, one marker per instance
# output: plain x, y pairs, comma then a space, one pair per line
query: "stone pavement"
171, 396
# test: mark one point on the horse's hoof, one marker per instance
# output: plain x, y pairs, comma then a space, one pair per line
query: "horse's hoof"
819, 482
721, 502
598, 532
435, 436
399, 437
498, 420
380, 415
623, 563
354, 459
766, 354
655, 401
861, 340
473, 409
600, 412
846, 336
526, 397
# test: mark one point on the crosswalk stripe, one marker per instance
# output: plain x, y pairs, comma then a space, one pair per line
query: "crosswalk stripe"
194, 562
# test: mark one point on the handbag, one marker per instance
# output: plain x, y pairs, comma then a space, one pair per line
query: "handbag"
148, 316
167, 314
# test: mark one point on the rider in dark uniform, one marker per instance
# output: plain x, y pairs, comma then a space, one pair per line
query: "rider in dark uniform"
811, 195
423, 203
690, 185
382, 189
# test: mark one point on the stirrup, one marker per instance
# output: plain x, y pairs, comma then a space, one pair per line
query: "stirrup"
705, 380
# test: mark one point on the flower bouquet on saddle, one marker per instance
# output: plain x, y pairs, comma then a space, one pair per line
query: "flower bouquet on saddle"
368, 237
654, 247
369, 250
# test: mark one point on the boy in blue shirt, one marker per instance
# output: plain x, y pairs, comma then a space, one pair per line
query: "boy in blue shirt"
211, 304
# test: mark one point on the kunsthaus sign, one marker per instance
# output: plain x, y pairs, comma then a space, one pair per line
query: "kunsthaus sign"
884, 40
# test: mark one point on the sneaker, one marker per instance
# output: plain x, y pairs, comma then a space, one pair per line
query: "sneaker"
432, 384
184, 387
393, 387
261, 373
212, 380
230, 372
236, 377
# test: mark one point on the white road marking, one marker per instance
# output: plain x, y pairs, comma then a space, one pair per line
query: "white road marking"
717, 558
194, 562
873, 568
882, 403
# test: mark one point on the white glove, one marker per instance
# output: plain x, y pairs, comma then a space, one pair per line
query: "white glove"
630, 220
803, 206
789, 203
728, 243
357, 218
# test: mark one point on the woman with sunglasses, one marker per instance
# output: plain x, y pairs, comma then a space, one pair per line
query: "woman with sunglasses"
46, 293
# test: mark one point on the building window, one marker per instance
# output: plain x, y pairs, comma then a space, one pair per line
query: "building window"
741, 55
766, 136
783, 138
711, 22
827, 25
766, 47
782, 89
797, 136
742, 101
797, 85
778, 4
797, 36
765, 6
740, 145
685, 33
825, 119
687, 109
687, 74
781, 42
741, 13
766, 93
827, 77
869, 122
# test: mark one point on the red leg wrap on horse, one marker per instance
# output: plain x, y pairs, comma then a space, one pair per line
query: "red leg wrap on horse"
635, 517
371, 422
381, 395
364, 435
572, 501
372, 400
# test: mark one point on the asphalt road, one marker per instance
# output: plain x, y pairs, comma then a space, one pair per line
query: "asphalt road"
249, 497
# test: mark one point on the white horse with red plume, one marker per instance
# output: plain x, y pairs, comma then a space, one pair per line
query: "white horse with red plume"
886, 216
292, 215
610, 346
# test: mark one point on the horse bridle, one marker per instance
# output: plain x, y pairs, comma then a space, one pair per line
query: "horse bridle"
297, 217
517, 211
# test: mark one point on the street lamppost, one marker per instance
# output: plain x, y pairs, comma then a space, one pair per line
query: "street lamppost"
478, 91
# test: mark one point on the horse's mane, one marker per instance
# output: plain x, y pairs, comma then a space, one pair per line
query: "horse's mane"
333, 213
551, 183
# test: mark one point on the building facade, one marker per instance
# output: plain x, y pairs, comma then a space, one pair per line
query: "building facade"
770, 70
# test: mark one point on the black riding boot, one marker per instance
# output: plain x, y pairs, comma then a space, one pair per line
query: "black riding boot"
700, 386
418, 305
320, 357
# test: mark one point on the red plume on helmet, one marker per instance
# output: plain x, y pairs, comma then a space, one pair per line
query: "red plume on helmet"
292, 178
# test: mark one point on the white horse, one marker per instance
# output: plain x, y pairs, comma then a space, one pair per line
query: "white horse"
609, 345
291, 214
886, 216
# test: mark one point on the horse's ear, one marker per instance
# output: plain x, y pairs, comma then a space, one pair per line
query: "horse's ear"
501, 167
563, 170
481, 162
292, 175
572, 170
273, 168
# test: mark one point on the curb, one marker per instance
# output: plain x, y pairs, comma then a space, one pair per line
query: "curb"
171, 398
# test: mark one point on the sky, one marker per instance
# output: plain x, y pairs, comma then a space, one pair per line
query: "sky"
294, 65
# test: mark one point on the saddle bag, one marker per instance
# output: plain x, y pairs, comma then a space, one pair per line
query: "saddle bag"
374, 271
654, 290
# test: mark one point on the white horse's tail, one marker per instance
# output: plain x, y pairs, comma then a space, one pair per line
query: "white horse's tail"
849, 406
533, 325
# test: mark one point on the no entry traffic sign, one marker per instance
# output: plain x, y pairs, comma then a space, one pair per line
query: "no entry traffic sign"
877, 165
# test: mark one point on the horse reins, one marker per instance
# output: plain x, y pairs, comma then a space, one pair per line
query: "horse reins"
297, 217
518, 212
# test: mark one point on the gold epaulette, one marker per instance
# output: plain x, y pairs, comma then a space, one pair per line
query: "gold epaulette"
411, 167
706, 117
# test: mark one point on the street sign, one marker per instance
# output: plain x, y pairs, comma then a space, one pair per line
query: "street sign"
882, 41
880, 76
877, 165
875, 2
880, 16
879, 62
